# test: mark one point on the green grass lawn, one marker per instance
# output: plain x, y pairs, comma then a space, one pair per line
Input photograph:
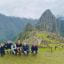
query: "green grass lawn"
43, 57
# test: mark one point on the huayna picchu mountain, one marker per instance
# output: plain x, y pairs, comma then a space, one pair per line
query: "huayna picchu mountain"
47, 22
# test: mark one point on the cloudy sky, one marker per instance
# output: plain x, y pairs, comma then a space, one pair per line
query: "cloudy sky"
31, 8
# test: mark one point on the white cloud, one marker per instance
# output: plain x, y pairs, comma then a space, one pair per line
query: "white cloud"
30, 8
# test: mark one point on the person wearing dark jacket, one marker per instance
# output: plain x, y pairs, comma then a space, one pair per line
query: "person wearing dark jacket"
8, 47
18, 47
25, 48
2, 50
34, 49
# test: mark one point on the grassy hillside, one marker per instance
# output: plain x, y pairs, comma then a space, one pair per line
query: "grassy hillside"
41, 37
49, 37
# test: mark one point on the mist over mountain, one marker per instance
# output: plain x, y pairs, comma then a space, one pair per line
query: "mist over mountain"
10, 27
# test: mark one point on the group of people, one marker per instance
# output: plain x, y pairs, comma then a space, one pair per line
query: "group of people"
18, 48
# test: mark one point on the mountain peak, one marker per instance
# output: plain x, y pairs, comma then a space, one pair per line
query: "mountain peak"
47, 13
48, 10
47, 22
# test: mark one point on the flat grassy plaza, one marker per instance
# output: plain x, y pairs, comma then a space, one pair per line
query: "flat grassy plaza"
44, 56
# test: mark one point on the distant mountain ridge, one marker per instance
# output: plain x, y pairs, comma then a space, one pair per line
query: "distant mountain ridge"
10, 27
60, 22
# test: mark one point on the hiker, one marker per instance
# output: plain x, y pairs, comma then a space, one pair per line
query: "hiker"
18, 47
25, 48
2, 50
8, 47
28, 50
13, 49
34, 49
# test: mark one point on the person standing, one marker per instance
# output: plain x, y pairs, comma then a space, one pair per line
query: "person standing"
34, 49
13, 49
7, 46
18, 47
2, 50
25, 49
